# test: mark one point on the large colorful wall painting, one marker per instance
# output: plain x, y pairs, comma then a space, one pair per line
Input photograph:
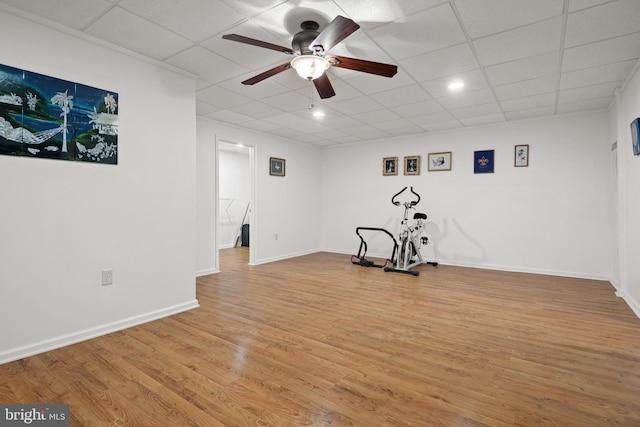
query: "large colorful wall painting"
45, 117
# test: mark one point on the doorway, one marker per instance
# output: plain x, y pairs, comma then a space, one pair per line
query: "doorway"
235, 201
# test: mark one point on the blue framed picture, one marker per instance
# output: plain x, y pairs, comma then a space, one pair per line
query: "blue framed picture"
483, 161
276, 166
635, 136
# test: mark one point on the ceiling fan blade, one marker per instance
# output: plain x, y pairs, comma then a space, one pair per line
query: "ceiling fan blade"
335, 32
378, 68
324, 87
272, 72
259, 43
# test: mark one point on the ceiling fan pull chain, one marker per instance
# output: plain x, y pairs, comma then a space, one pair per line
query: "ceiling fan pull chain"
311, 95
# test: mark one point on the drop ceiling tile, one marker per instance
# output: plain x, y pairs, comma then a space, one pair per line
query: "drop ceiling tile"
365, 132
599, 53
264, 89
228, 116
476, 111
206, 64
527, 88
212, 17
589, 92
603, 22
256, 110
221, 97
401, 96
473, 80
288, 101
284, 132
252, 57
253, 8
588, 105
595, 75
440, 126
370, 84
84, 11
575, 5
134, 33
523, 69
260, 125
519, 43
427, 120
531, 113
529, 102
443, 62
484, 17
418, 109
202, 108
419, 33
484, 120
353, 106
371, 14
371, 117
467, 99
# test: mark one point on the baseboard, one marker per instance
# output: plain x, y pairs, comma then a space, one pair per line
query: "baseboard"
632, 303
207, 272
87, 334
282, 257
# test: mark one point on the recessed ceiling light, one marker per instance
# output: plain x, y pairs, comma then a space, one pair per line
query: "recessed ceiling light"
456, 85
318, 114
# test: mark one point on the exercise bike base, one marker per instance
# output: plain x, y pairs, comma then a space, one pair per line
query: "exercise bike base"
397, 270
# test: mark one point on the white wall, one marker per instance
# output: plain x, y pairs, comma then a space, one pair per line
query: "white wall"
288, 206
234, 193
627, 109
63, 222
551, 217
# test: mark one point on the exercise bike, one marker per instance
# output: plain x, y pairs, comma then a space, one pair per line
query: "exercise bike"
410, 238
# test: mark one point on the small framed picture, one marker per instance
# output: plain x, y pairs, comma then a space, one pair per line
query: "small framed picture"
440, 161
521, 156
412, 165
483, 161
276, 166
389, 166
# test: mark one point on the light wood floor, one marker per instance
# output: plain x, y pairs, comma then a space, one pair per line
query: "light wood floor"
319, 341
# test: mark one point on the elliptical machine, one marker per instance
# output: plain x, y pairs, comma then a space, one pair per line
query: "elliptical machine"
410, 238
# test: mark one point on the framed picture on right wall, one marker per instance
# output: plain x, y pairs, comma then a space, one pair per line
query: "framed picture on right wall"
521, 156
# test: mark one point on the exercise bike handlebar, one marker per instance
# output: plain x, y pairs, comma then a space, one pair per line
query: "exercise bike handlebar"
412, 202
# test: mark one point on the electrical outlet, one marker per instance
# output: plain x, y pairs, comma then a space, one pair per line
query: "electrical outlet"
107, 277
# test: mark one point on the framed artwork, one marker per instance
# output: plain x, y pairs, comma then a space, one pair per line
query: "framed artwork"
389, 166
50, 118
521, 156
483, 161
440, 161
276, 166
412, 165
635, 136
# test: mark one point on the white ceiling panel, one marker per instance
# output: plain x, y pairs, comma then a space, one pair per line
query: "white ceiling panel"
484, 17
616, 71
125, 29
443, 62
603, 22
600, 53
178, 16
523, 69
518, 59
524, 88
84, 11
423, 32
207, 65
519, 43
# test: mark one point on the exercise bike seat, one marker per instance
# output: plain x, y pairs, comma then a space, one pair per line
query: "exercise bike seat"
418, 215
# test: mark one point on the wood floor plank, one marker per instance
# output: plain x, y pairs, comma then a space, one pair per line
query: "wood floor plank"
319, 341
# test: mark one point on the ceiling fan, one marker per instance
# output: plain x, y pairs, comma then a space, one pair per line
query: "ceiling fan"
309, 48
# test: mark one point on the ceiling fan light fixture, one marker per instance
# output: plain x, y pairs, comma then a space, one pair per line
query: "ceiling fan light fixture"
310, 67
